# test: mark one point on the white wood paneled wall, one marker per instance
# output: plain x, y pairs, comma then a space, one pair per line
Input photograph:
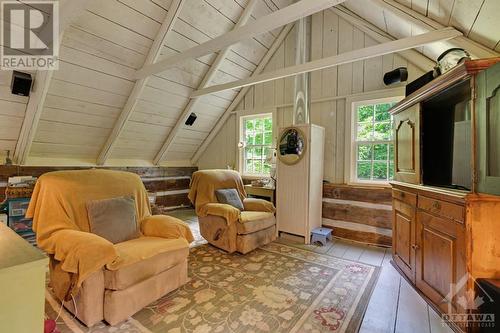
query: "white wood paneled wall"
330, 35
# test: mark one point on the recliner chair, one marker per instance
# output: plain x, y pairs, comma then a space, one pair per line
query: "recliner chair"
107, 281
225, 226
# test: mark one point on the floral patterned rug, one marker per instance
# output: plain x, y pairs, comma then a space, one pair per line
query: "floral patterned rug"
275, 288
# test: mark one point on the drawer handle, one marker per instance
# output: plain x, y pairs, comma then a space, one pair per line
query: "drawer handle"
436, 205
402, 194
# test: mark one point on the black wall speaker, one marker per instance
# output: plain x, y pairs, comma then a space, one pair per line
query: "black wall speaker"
191, 119
21, 83
398, 75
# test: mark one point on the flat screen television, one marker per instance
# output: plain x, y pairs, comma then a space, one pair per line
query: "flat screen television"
446, 138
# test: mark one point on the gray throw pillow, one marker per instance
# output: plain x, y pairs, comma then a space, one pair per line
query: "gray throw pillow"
113, 219
229, 196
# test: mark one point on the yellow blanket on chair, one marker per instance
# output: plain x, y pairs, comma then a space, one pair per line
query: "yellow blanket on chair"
60, 220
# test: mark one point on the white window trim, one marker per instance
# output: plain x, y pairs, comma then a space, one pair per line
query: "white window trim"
391, 95
246, 114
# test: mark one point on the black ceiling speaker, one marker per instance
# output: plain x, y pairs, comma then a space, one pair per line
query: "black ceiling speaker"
191, 119
395, 76
21, 83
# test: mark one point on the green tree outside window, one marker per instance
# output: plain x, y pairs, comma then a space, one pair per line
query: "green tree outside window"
373, 142
258, 134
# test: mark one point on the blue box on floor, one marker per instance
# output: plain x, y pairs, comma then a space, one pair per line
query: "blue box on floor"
321, 235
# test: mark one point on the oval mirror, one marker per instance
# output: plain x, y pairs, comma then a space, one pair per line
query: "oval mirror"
292, 146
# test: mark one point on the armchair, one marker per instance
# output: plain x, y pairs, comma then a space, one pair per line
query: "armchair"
107, 281
223, 225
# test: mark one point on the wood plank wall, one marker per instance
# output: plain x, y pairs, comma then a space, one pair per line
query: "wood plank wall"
330, 35
362, 214
171, 184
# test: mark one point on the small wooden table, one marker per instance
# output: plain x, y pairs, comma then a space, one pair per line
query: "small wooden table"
266, 192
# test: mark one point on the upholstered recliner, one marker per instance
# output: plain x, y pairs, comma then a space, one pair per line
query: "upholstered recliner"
225, 226
107, 281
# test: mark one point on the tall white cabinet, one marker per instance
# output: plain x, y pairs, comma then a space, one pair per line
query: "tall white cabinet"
299, 188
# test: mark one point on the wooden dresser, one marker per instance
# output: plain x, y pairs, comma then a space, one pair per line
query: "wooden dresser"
22, 284
443, 237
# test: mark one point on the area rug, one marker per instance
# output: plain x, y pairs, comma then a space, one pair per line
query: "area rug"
275, 288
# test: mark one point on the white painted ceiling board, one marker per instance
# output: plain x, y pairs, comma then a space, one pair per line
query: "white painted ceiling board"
110, 31
464, 14
94, 45
486, 29
126, 17
440, 10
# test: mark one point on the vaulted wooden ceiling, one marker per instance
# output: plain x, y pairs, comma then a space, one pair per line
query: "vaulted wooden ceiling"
95, 109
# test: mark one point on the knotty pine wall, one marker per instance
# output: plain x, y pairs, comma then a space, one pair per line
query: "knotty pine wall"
171, 184
330, 35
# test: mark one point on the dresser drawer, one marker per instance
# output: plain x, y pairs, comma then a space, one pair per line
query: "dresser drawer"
406, 197
442, 208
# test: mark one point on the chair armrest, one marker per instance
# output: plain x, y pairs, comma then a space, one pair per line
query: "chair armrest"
81, 253
165, 226
258, 205
230, 213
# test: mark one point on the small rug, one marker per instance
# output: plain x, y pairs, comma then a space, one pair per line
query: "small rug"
276, 288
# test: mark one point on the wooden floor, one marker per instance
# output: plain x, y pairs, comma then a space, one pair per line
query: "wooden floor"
394, 305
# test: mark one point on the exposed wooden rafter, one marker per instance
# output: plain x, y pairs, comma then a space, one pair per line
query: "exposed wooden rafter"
426, 24
154, 53
222, 120
267, 23
340, 59
206, 80
68, 12
415, 57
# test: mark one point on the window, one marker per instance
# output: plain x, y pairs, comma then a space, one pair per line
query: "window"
257, 137
372, 144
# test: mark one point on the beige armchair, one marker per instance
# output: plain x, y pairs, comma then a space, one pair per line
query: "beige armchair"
223, 225
107, 281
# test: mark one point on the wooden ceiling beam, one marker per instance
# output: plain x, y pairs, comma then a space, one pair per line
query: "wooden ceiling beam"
336, 60
193, 102
279, 18
415, 57
237, 100
69, 11
427, 24
153, 55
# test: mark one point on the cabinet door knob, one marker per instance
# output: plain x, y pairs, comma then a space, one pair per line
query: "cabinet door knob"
415, 246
